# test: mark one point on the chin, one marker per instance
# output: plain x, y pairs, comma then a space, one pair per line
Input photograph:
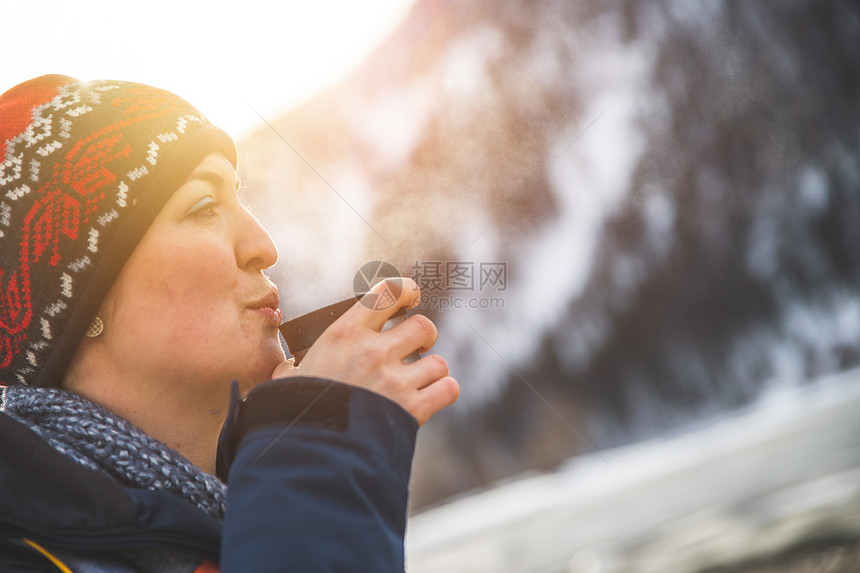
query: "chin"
261, 370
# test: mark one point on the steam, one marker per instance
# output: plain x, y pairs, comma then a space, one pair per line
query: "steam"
375, 204
589, 179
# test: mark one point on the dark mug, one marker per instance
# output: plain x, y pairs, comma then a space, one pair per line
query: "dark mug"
300, 333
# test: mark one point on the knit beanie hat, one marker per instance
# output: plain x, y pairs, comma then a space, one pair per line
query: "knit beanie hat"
84, 169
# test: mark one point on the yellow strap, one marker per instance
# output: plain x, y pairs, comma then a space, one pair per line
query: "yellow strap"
48, 554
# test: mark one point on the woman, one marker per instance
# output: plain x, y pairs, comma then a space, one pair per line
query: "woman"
135, 316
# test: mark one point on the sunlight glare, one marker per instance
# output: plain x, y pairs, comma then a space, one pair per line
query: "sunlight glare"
229, 61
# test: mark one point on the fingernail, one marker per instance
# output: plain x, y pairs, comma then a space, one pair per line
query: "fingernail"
417, 301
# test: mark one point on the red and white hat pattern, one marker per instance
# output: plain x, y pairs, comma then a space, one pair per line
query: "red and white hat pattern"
84, 168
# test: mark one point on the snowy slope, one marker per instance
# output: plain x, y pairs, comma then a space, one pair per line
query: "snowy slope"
783, 471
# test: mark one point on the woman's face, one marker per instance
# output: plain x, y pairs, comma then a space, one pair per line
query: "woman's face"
192, 308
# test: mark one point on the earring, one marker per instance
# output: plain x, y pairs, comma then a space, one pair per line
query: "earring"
96, 328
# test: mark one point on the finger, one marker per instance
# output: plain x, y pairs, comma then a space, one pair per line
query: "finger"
285, 369
416, 333
383, 300
438, 395
425, 371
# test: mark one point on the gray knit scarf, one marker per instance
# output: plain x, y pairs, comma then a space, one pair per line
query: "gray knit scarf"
101, 440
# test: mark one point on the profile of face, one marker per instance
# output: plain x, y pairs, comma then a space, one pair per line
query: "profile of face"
192, 309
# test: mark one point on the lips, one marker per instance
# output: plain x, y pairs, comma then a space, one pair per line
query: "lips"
267, 307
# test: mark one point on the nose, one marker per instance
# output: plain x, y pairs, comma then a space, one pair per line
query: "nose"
254, 247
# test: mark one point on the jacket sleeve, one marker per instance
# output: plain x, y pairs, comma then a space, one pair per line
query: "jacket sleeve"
318, 476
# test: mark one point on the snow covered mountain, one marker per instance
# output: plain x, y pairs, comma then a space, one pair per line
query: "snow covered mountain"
673, 189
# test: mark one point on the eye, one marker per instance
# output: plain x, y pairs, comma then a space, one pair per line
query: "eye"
203, 207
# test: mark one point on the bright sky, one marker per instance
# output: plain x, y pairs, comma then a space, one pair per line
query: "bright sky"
227, 59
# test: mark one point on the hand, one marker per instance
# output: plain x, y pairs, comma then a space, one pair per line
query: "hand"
354, 351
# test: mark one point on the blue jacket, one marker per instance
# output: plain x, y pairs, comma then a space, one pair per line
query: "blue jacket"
317, 475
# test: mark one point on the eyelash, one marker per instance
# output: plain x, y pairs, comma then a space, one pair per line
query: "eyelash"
204, 207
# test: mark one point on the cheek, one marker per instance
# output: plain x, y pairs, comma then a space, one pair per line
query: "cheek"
182, 292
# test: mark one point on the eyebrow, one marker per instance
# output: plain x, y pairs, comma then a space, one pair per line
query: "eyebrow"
214, 179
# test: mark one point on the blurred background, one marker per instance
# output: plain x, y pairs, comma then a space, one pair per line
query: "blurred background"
636, 225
